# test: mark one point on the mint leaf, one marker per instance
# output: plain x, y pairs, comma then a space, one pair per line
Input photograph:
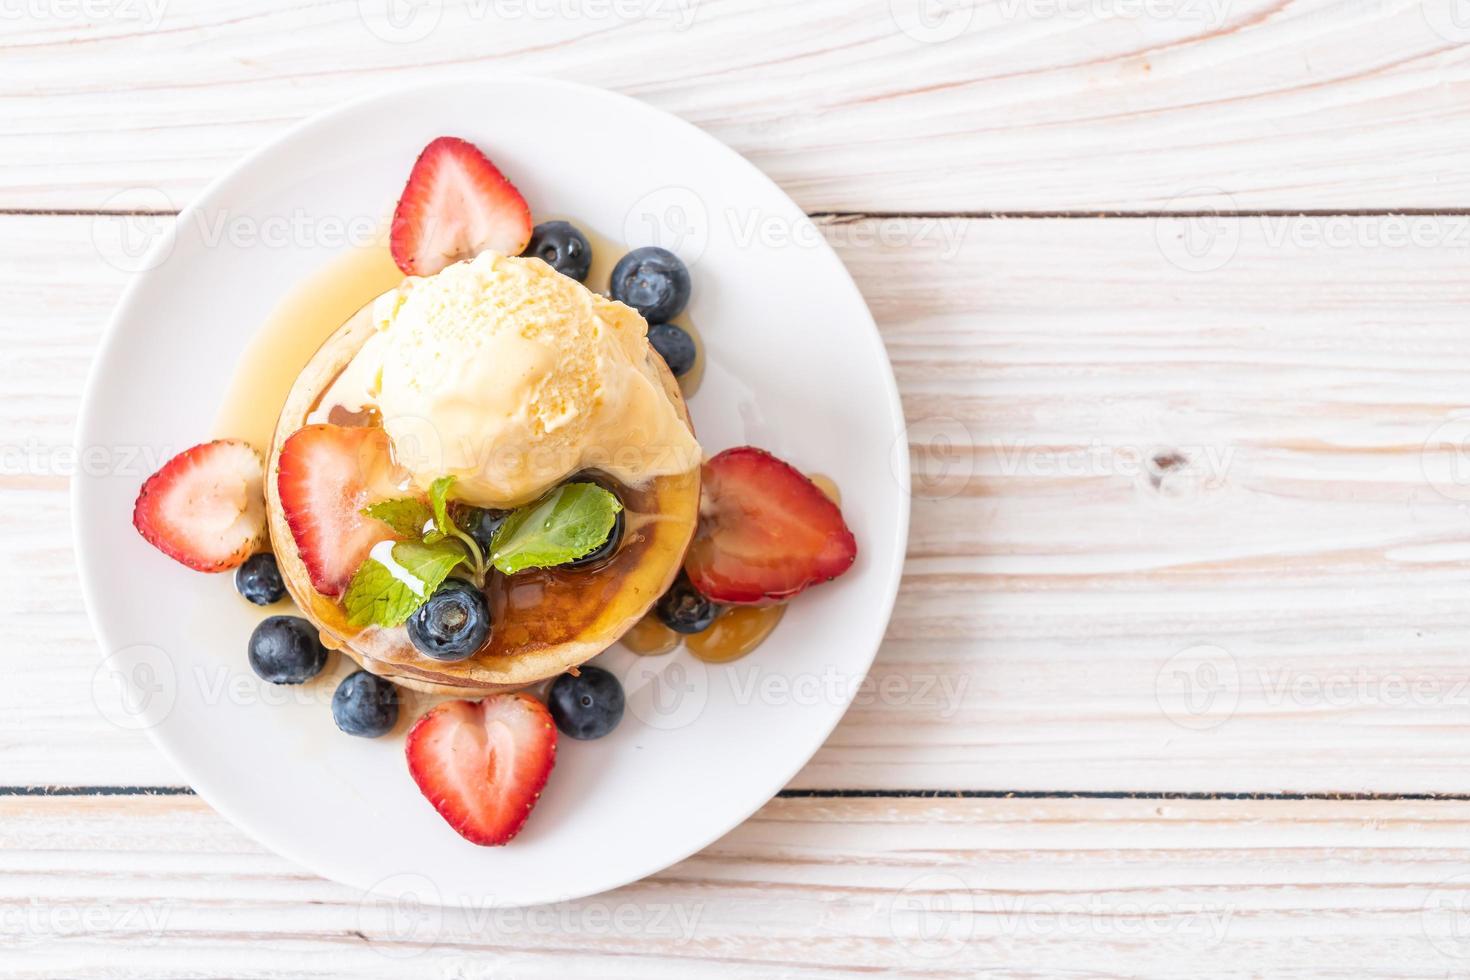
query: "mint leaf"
377, 596
565, 524
407, 516
439, 501
429, 563
386, 596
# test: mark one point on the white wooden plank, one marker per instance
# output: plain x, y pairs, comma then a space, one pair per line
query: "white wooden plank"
161, 887
1017, 105
1050, 580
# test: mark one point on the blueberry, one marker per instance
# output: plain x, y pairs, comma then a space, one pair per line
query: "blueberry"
675, 346
453, 624
480, 524
563, 247
286, 650
586, 705
684, 609
365, 704
603, 551
259, 580
653, 281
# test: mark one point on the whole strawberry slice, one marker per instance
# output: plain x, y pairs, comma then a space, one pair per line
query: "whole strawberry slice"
482, 764
765, 533
205, 507
327, 474
455, 206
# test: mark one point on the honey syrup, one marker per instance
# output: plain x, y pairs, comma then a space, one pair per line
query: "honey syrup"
649, 637
308, 315
828, 486
735, 632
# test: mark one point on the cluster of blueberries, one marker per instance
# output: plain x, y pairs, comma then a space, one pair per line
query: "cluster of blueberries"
652, 280
288, 650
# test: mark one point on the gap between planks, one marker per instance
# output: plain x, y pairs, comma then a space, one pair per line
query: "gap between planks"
887, 794
841, 216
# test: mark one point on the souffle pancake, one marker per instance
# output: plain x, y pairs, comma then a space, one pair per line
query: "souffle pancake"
543, 620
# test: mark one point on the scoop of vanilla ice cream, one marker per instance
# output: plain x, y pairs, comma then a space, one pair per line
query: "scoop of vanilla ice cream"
509, 376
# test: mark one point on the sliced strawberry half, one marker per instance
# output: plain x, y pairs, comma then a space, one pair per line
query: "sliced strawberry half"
205, 507
456, 205
766, 532
326, 476
482, 764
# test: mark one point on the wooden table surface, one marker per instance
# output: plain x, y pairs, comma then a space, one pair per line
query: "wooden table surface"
1178, 683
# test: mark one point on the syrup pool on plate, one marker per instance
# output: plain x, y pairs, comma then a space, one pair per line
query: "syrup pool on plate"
828, 486
735, 632
649, 637
309, 314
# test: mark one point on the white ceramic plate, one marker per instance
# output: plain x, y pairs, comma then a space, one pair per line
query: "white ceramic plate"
795, 366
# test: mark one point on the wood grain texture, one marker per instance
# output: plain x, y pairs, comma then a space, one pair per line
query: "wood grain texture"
1191, 514
805, 889
1175, 530
1049, 105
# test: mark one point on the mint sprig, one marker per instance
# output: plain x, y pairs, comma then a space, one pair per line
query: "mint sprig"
386, 593
563, 525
